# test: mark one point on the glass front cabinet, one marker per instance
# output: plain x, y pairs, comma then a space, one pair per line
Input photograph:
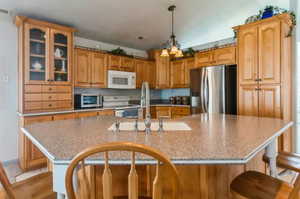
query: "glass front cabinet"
47, 55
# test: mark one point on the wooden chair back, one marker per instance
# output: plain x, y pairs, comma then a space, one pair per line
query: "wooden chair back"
295, 192
5, 183
79, 160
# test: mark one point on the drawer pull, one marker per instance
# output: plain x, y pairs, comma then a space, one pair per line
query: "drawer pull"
50, 97
50, 105
50, 89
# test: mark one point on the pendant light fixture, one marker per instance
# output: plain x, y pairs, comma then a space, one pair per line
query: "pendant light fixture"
172, 47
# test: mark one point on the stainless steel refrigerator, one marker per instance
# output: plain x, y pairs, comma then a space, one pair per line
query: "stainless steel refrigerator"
214, 89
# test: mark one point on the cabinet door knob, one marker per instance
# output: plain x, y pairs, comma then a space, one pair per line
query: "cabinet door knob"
50, 97
50, 105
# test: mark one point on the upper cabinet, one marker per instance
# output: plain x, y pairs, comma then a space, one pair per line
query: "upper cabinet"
178, 74
45, 66
269, 52
248, 55
218, 56
47, 53
90, 69
162, 68
120, 63
145, 71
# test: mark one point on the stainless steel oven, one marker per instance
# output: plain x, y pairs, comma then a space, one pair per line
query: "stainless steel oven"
88, 101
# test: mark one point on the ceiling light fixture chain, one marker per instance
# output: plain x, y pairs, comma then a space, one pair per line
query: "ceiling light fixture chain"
172, 47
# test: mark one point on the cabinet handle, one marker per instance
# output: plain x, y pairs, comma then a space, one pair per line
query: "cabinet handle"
50, 89
257, 89
50, 105
50, 97
258, 80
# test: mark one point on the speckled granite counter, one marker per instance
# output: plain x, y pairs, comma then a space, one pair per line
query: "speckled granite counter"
214, 139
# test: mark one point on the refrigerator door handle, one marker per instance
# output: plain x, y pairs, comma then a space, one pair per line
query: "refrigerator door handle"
202, 97
206, 91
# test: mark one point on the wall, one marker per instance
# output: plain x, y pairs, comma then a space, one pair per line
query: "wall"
295, 6
8, 88
79, 41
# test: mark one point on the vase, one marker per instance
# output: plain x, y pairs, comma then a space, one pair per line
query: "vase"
267, 13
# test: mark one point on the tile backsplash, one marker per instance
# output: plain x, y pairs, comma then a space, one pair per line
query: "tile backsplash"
135, 93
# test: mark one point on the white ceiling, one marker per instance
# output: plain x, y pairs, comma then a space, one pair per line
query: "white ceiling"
122, 21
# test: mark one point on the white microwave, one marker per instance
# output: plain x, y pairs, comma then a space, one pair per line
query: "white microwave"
121, 79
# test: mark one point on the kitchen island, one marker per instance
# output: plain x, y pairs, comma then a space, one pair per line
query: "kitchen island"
216, 149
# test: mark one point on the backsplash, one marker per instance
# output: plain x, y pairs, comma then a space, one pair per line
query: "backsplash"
135, 93
165, 94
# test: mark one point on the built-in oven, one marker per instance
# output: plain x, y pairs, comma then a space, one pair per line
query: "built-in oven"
121, 79
88, 101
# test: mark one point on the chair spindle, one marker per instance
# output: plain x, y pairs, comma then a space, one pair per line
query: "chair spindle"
157, 185
133, 180
107, 179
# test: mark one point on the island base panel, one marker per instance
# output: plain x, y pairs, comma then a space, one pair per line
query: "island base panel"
198, 181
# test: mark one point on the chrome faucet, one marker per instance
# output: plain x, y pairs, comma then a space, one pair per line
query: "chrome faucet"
145, 102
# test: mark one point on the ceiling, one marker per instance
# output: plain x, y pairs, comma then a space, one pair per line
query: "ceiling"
120, 22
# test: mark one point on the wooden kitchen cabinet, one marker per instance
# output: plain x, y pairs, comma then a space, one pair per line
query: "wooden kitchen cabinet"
163, 111
264, 70
269, 52
121, 63
219, 56
190, 64
248, 55
98, 70
106, 113
178, 112
127, 64
82, 68
225, 56
204, 58
90, 69
162, 69
30, 156
269, 101
145, 71
178, 70
45, 60
248, 100
114, 62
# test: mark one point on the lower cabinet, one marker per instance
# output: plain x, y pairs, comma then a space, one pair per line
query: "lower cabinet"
30, 157
171, 112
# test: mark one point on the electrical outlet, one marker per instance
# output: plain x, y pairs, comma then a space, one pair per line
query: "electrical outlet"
4, 78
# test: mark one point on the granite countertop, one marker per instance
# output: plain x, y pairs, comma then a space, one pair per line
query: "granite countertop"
214, 138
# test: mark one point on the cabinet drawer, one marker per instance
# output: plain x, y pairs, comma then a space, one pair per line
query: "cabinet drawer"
57, 105
163, 111
34, 97
87, 114
64, 116
33, 106
106, 113
56, 89
181, 111
37, 119
33, 88
56, 96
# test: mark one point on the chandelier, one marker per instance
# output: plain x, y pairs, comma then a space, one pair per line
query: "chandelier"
172, 47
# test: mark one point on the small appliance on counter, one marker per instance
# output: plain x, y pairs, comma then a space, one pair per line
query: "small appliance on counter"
180, 100
88, 101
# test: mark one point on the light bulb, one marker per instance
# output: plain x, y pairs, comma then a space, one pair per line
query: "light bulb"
164, 53
179, 53
173, 50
